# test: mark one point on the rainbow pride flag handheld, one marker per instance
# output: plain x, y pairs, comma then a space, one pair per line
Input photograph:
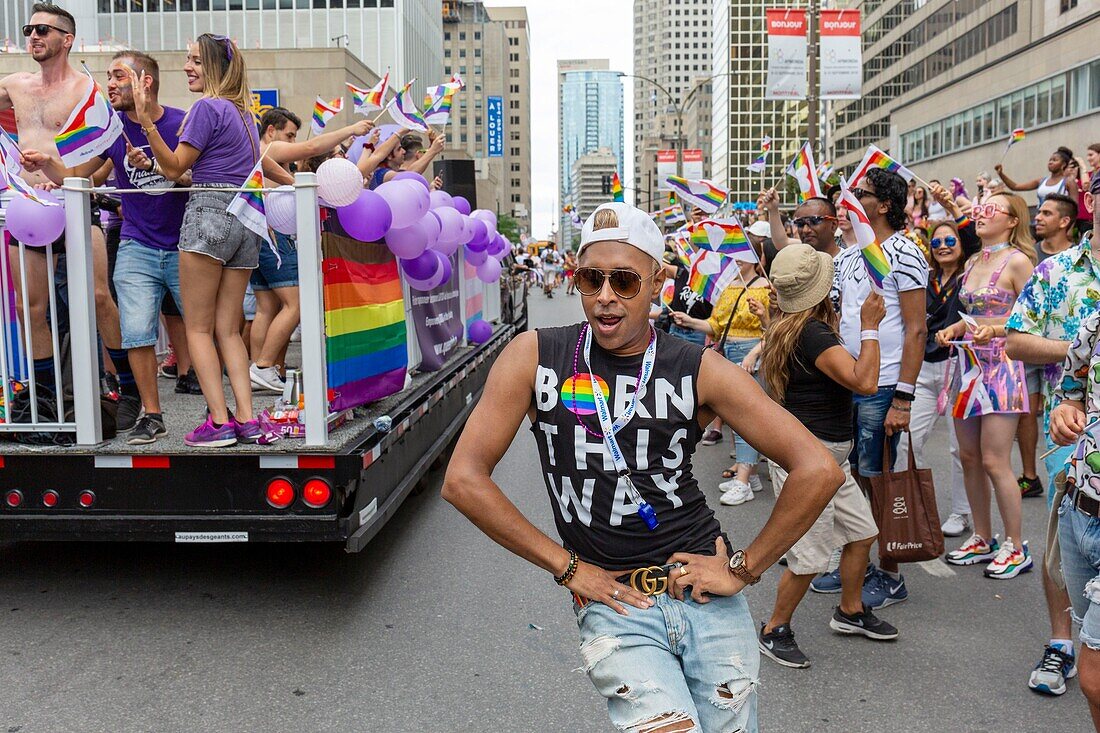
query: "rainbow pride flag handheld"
457, 80
874, 257
973, 397
876, 158
668, 292
703, 193
11, 172
761, 161
725, 236
248, 205
673, 214
368, 100
1017, 135
616, 187
803, 170
404, 111
91, 128
323, 112
438, 102
827, 174
711, 273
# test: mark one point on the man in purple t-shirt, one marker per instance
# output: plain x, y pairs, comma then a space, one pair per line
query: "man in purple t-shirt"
147, 267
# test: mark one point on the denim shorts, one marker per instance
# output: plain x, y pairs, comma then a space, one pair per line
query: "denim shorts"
678, 658
1079, 538
869, 431
271, 274
695, 337
209, 229
143, 277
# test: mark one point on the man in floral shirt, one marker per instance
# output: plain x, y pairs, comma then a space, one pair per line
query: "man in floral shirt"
1063, 292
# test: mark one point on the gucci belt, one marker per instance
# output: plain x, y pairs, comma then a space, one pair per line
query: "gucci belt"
650, 581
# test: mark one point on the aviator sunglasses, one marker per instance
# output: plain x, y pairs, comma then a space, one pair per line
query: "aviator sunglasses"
626, 283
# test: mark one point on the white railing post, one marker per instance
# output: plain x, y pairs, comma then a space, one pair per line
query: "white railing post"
82, 322
311, 293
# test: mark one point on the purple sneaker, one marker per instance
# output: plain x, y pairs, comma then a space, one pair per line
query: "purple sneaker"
247, 432
209, 436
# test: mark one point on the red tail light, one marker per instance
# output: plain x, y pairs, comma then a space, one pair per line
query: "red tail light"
13, 498
86, 498
280, 493
50, 498
316, 493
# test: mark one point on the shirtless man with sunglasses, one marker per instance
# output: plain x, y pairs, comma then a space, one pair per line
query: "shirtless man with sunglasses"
43, 101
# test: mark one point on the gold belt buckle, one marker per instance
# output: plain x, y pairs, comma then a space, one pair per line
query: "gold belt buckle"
650, 581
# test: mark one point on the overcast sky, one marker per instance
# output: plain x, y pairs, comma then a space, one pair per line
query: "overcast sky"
568, 29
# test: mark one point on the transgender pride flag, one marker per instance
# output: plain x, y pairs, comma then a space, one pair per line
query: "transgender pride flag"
91, 128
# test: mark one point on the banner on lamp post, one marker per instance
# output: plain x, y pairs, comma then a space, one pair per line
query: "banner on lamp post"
666, 166
786, 54
841, 57
693, 164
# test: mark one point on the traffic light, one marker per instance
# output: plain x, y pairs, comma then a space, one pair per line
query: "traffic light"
605, 185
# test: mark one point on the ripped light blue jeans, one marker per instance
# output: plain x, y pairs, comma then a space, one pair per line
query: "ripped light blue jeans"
675, 661
736, 351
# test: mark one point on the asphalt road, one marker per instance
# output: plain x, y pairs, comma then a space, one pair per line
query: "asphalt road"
434, 628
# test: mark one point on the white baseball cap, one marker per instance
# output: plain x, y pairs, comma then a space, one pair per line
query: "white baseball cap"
636, 228
760, 229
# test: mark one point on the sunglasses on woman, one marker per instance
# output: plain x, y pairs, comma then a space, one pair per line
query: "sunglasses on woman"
945, 242
987, 211
626, 283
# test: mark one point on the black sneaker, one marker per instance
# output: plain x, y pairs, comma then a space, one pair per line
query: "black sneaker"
865, 623
128, 410
188, 383
780, 646
1030, 487
147, 430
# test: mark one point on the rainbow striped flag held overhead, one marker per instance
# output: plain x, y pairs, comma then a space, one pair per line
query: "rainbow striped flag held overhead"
248, 205
725, 236
323, 112
711, 273
827, 174
404, 111
1017, 136
368, 100
616, 187
673, 214
803, 170
761, 161
91, 128
703, 193
874, 258
438, 102
876, 158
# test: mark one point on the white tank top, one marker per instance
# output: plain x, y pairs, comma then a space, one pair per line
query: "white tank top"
1045, 189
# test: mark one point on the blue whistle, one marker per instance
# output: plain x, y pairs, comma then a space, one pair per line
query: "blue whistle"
648, 515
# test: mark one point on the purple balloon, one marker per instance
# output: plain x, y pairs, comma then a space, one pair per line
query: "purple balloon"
480, 239
475, 256
489, 270
462, 205
34, 224
423, 266
486, 216
367, 219
423, 199
446, 270
441, 199
479, 331
467, 229
404, 202
409, 242
497, 246
450, 225
412, 176
431, 223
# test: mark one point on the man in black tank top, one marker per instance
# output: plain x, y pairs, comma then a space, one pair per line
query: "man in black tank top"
616, 409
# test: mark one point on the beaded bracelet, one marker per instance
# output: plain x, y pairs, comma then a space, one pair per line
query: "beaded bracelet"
570, 570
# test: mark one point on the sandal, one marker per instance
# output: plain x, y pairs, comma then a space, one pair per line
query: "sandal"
730, 472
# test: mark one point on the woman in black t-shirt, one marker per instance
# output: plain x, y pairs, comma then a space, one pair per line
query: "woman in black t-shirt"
810, 373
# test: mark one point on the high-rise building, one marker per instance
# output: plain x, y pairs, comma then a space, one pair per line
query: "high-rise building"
490, 49
590, 117
672, 48
586, 182
945, 83
403, 36
741, 115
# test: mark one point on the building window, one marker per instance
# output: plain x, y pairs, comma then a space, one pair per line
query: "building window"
446, 35
513, 152
516, 199
1067, 5
462, 35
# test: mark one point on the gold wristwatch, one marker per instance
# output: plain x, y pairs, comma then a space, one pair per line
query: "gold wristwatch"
739, 567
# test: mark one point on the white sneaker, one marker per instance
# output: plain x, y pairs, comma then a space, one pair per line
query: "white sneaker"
266, 378
739, 493
755, 484
956, 525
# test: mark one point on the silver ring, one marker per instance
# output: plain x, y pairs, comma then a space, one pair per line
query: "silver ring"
615, 595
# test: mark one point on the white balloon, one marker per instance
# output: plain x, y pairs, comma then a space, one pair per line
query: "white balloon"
339, 182
282, 210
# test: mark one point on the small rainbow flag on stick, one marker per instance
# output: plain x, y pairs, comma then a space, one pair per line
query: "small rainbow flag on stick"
704, 194
616, 187
876, 158
711, 273
323, 112
760, 161
803, 170
404, 112
827, 174
874, 258
438, 102
724, 236
91, 128
673, 214
1017, 136
248, 205
367, 100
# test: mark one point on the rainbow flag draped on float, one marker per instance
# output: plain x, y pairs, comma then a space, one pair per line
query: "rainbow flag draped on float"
711, 273
616, 187
876, 158
874, 257
760, 161
364, 322
803, 170
404, 112
91, 128
724, 236
703, 193
367, 100
323, 112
